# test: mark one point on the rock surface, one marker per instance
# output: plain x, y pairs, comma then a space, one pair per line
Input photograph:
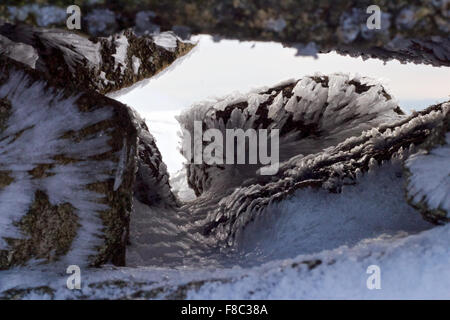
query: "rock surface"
417, 32
67, 171
100, 64
329, 169
428, 176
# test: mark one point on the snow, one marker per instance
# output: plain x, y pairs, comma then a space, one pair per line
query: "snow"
102, 77
166, 40
136, 62
100, 21
42, 117
276, 25
330, 104
120, 57
430, 177
309, 224
369, 223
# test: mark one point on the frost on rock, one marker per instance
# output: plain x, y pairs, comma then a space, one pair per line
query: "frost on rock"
101, 22
311, 114
296, 23
18, 51
329, 169
100, 64
43, 15
428, 176
434, 51
65, 181
152, 185
166, 40
120, 57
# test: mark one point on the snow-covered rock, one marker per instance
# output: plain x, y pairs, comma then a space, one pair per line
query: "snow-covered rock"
407, 32
18, 51
311, 114
101, 64
329, 169
428, 171
152, 179
68, 166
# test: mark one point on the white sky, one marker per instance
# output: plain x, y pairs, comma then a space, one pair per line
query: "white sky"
215, 69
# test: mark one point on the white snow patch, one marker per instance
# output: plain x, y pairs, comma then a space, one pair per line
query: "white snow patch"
74, 47
430, 176
104, 79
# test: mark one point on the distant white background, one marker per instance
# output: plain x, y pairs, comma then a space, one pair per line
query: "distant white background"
215, 69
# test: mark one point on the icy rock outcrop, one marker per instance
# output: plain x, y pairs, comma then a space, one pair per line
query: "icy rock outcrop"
68, 163
433, 51
101, 64
416, 32
330, 169
428, 175
311, 114
331, 274
42, 15
18, 51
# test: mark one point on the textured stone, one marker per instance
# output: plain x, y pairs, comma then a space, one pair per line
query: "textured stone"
100, 64
428, 176
311, 114
226, 214
68, 163
325, 25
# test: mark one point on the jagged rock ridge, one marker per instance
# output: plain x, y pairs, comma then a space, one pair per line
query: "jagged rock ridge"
410, 32
100, 64
311, 114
